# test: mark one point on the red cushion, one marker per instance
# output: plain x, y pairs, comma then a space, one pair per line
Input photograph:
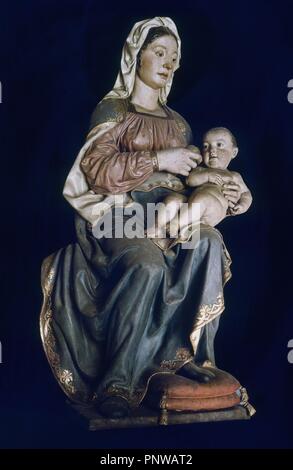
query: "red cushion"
173, 392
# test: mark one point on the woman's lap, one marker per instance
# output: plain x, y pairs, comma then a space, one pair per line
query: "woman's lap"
162, 296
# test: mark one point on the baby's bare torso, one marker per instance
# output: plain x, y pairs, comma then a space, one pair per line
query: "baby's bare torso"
213, 190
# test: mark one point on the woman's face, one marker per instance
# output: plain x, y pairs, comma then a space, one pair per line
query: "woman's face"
157, 62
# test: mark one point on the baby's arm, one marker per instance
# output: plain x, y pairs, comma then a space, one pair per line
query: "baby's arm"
201, 175
245, 199
198, 176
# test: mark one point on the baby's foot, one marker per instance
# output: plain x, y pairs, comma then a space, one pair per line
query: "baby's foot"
155, 232
184, 234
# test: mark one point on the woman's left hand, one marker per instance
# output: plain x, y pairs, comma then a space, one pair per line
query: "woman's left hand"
232, 192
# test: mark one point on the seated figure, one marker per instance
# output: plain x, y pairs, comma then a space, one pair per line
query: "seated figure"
117, 311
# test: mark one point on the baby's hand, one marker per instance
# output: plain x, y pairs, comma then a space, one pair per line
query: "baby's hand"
215, 178
237, 209
232, 193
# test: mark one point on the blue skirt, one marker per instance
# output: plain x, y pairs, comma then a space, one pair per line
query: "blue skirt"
118, 311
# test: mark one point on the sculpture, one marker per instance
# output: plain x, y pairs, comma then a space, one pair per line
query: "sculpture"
118, 312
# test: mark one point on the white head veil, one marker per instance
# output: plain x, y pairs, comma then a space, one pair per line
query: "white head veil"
125, 80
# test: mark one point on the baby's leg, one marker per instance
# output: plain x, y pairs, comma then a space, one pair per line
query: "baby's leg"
191, 214
166, 213
209, 211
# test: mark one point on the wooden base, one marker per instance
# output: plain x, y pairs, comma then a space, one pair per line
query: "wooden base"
145, 417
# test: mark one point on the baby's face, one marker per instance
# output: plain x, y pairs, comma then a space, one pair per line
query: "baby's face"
218, 149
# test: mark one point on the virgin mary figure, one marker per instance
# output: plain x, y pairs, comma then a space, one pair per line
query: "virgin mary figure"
118, 310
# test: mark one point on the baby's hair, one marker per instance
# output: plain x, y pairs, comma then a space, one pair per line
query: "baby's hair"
222, 129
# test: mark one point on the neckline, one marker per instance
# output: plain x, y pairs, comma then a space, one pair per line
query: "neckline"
133, 109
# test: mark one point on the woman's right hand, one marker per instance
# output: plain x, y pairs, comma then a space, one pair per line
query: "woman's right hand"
178, 160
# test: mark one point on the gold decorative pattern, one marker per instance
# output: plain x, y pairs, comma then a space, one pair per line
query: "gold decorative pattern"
180, 123
64, 376
227, 263
207, 312
227, 275
160, 179
163, 419
133, 397
181, 126
163, 401
155, 161
108, 111
182, 356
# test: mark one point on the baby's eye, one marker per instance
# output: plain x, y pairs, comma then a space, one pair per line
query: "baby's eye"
205, 146
220, 144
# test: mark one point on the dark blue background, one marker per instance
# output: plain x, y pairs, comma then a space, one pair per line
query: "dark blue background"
58, 59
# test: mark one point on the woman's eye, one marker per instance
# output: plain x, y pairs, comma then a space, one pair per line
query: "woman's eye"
160, 53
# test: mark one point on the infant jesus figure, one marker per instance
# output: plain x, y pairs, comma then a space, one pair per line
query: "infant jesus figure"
176, 213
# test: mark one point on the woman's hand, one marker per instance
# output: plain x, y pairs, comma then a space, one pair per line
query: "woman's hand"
232, 192
177, 160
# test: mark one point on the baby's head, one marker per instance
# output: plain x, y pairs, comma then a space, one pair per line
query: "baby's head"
218, 148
